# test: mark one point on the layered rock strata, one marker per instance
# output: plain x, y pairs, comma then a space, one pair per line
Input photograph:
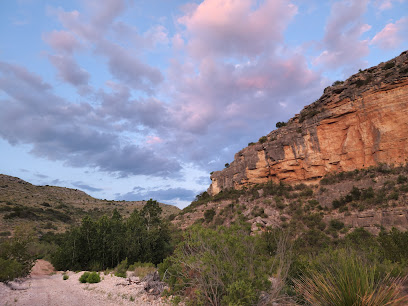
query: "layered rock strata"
355, 124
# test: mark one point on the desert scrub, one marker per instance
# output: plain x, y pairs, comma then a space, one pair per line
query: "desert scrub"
65, 276
120, 270
141, 269
90, 277
84, 277
93, 278
344, 278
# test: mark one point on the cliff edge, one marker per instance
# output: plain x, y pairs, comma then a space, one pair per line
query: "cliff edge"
355, 124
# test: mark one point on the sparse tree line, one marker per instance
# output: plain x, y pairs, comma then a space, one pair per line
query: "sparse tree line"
104, 243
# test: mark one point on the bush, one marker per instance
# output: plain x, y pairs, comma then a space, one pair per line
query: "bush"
402, 179
209, 215
10, 269
65, 276
346, 279
84, 277
217, 267
121, 269
16, 259
263, 139
93, 278
336, 224
89, 277
280, 124
388, 65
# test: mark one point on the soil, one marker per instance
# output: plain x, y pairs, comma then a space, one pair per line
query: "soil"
41, 288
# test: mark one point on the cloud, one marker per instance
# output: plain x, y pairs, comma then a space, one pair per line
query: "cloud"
392, 35
62, 41
385, 4
82, 185
94, 28
129, 69
41, 175
223, 100
231, 27
342, 42
69, 71
161, 195
59, 130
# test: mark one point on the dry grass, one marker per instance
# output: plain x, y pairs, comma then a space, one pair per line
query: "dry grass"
141, 272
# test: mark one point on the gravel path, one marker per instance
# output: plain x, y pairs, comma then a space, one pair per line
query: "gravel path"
50, 290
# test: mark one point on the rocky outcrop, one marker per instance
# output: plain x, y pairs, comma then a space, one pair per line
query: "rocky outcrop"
356, 124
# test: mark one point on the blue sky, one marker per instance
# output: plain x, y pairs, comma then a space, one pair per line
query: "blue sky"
143, 99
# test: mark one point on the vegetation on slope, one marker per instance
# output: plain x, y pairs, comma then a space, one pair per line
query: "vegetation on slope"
229, 266
55, 209
326, 207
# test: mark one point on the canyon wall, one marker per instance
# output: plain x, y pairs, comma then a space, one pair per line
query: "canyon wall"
355, 124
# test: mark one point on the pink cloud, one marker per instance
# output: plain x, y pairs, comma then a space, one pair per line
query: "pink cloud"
392, 35
385, 4
69, 70
177, 42
62, 41
235, 27
342, 42
153, 140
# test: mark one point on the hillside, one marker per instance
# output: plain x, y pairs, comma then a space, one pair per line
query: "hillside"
355, 124
339, 164
51, 208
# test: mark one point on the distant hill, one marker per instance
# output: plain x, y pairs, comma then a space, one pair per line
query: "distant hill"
51, 208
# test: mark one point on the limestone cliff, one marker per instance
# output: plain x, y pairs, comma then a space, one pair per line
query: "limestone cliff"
355, 124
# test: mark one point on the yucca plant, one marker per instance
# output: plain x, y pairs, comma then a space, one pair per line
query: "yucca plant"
347, 280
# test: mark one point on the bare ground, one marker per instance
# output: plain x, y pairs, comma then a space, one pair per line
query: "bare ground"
44, 289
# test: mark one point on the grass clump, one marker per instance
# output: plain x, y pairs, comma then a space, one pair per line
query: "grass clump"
65, 276
347, 279
141, 269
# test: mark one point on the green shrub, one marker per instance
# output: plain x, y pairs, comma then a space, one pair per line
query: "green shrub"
93, 278
84, 277
336, 224
209, 215
16, 258
402, 179
263, 139
217, 267
10, 269
120, 270
280, 124
65, 276
388, 65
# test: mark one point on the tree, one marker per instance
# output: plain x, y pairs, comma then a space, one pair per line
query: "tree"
15, 257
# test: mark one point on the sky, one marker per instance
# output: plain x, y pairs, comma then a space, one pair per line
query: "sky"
132, 100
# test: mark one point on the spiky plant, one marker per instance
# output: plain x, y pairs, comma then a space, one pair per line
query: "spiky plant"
350, 281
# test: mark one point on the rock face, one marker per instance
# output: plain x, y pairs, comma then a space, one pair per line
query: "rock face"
355, 124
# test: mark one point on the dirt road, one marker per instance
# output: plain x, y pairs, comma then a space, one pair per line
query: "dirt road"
50, 290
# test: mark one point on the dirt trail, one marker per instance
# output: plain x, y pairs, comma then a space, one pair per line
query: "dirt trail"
49, 290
